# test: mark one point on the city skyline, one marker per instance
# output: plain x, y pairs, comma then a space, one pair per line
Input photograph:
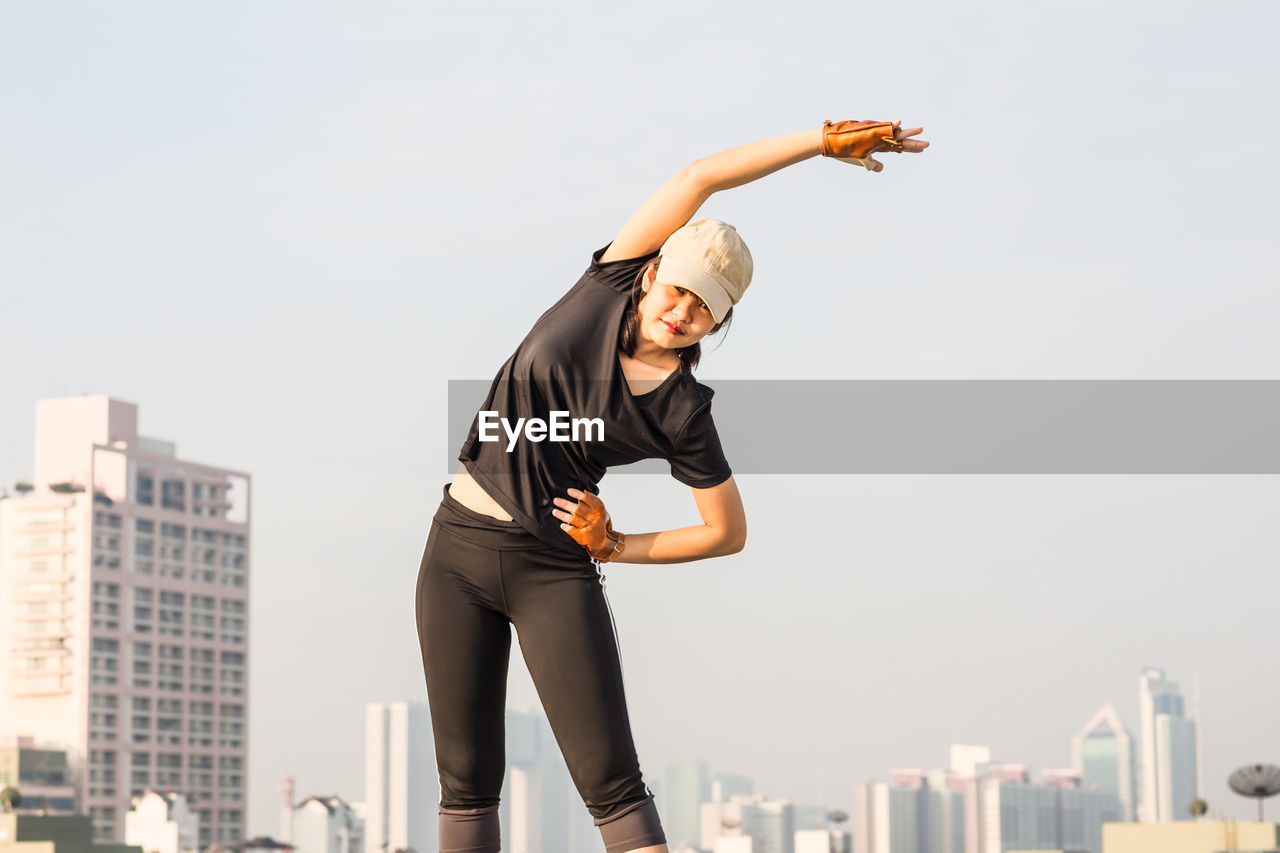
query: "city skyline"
278, 229
52, 463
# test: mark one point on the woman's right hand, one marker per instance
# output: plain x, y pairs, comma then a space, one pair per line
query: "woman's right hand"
588, 523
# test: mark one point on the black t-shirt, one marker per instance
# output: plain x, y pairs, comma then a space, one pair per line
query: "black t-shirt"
568, 363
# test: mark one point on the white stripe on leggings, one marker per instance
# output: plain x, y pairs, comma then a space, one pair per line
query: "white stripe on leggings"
616, 643
605, 595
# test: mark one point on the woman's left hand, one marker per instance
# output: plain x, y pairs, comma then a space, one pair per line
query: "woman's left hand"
587, 521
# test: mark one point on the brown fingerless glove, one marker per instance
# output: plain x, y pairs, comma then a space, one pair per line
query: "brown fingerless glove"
597, 535
856, 141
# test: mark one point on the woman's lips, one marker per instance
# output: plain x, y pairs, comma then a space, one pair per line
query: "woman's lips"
671, 327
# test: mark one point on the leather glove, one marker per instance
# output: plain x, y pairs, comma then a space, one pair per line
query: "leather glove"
856, 141
589, 524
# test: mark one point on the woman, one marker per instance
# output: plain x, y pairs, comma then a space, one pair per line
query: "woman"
603, 378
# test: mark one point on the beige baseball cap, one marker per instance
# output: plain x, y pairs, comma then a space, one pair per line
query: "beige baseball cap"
708, 257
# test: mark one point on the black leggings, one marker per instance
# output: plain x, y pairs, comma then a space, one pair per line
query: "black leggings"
479, 576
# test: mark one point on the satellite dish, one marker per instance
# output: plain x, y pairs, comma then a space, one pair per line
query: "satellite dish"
1258, 781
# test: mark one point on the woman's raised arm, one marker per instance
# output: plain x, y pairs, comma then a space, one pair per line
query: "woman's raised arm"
676, 201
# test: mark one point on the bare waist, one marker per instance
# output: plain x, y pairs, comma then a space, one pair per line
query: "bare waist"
465, 490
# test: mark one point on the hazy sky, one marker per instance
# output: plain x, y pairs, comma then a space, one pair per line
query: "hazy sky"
282, 227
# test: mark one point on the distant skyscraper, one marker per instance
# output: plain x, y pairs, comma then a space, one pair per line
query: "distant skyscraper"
685, 788
771, 825
401, 787
1103, 756
916, 812
124, 597
1082, 812
1169, 761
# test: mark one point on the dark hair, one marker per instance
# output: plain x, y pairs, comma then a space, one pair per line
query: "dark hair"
689, 356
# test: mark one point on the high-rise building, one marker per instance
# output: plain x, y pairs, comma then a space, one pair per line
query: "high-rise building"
1102, 753
1169, 776
685, 787
916, 812
1082, 811
125, 595
401, 786
771, 825
1016, 815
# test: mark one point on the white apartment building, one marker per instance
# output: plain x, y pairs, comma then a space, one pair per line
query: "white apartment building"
823, 841
124, 635
161, 823
327, 825
401, 786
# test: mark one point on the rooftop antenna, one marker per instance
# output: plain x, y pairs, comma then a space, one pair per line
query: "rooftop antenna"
1258, 781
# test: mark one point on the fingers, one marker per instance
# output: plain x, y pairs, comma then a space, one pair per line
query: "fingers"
587, 498
569, 519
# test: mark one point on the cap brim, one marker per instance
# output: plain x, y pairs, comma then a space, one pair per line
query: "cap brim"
684, 274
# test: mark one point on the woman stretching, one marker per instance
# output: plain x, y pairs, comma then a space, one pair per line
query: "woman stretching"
603, 378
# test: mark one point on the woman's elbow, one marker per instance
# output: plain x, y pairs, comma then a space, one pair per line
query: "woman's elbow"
699, 178
735, 541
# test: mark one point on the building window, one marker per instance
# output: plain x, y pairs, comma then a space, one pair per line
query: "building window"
146, 490
173, 494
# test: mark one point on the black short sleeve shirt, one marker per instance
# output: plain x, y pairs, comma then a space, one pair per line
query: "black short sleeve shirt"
566, 375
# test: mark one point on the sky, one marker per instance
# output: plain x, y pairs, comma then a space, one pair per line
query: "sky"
281, 228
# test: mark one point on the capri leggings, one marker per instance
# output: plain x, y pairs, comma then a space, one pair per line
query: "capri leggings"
480, 576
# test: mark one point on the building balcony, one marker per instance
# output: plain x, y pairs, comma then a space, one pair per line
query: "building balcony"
36, 529
47, 551
21, 596
58, 652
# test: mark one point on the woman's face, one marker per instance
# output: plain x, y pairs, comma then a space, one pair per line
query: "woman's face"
673, 317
